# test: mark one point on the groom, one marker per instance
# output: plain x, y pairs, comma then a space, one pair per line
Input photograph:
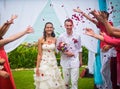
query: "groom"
71, 58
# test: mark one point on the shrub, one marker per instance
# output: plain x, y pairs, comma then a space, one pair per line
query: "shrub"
23, 56
85, 55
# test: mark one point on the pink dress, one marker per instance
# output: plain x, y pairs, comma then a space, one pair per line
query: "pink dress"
115, 42
6, 83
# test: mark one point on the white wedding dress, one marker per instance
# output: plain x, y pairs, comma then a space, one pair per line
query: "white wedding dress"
50, 76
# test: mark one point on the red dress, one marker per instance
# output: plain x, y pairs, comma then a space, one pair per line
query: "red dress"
6, 83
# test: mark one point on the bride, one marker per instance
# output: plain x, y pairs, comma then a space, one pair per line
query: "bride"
47, 74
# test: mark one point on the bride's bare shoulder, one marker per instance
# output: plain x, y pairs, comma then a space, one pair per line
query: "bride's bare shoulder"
41, 40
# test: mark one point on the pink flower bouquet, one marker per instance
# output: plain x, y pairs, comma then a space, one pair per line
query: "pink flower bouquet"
62, 47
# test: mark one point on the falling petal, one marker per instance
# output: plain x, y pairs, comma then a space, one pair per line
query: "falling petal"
48, 50
110, 12
112, 7
66, 85
77, 6
83, 21
62, 5
42, 74
56, 84
89, 8
43, 19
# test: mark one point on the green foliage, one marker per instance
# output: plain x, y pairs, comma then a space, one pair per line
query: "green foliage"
25, 56
84, 55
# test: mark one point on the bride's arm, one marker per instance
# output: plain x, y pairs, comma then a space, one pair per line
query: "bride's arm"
39, 56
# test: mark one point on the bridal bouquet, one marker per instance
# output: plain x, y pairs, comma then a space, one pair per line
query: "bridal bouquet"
62, 47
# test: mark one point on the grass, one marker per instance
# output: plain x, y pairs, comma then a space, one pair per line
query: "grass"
85, 83
24, 80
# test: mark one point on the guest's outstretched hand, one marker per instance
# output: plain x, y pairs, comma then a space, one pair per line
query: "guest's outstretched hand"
29, 29
89, 31
78, 10
13, 17
99, 16
95, 13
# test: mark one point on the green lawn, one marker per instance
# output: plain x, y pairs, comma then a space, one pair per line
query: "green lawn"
24, 80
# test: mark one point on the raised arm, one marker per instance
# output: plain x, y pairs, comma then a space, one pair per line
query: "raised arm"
111, 40
103, 37
39, 56
85, 15
5, 27
90, 32
15, 36
113, 31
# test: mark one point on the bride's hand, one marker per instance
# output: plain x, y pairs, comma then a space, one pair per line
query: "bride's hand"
37, 72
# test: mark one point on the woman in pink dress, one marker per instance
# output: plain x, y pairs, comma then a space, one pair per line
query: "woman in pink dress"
112, 41
8, 83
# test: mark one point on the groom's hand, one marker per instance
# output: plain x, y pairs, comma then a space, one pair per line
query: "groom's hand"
69, 54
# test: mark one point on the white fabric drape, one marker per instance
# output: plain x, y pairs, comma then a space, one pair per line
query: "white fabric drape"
91, 57
27, 12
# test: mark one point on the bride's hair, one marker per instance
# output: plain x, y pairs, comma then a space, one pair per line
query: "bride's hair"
44, 33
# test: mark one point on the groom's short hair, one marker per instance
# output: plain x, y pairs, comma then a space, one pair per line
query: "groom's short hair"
68, 20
